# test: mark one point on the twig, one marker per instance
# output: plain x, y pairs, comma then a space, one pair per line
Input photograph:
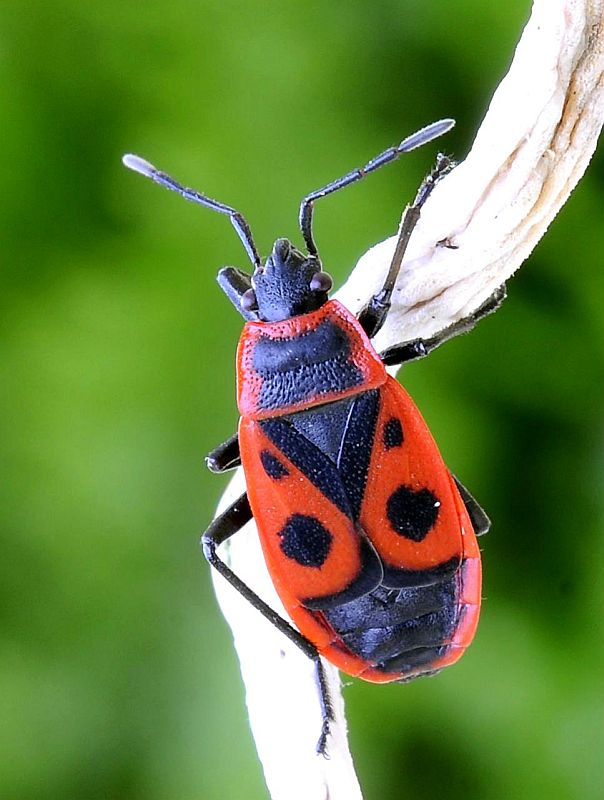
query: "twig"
532, 147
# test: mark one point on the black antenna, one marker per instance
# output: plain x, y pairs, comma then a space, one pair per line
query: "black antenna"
417, 139
238, 221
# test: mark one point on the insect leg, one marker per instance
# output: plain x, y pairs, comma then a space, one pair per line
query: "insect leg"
226, 456
418, 348
235, 283
326, 706
374, 314
480, 521
391, 154
223, 527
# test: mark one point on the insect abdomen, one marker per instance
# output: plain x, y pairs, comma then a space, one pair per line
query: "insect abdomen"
401, 634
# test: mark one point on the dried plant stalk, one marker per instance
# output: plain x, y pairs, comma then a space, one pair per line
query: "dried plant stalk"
532, 147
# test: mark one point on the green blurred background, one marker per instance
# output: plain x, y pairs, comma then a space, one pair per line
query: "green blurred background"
118, 679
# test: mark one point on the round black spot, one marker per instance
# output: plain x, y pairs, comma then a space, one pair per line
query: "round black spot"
393, 433
412, 514
272, 466
305, 540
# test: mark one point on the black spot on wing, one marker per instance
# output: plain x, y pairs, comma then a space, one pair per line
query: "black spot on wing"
393, 433
316, 466
274, 468
412, 514
305, 540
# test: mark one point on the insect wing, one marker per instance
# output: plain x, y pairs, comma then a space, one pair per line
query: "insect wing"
410, 507
311, 543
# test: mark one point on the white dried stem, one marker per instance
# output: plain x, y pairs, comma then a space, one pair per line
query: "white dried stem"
532, 147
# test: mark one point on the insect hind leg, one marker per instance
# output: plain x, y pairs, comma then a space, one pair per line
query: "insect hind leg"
222, 528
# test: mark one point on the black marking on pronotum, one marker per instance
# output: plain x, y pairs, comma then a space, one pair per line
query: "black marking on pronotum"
305, 540
393, 433
296, 369
272, 466
323, 343
314, 464
412, 513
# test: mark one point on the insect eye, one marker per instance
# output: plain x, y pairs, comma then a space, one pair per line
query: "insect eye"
321, 282
248, 300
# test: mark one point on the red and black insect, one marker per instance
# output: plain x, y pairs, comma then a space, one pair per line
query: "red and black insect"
369, 539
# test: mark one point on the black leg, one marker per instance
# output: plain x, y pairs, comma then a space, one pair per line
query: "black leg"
480, 522
418, 348
326, 706
223, 527
235, 283
226, 456
410, 143
373, 316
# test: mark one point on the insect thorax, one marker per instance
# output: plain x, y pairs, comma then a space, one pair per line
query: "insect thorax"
304, 361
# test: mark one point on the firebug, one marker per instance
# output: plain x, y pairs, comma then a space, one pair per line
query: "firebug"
369, 539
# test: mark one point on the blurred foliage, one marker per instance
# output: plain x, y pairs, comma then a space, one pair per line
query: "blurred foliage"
117, 677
